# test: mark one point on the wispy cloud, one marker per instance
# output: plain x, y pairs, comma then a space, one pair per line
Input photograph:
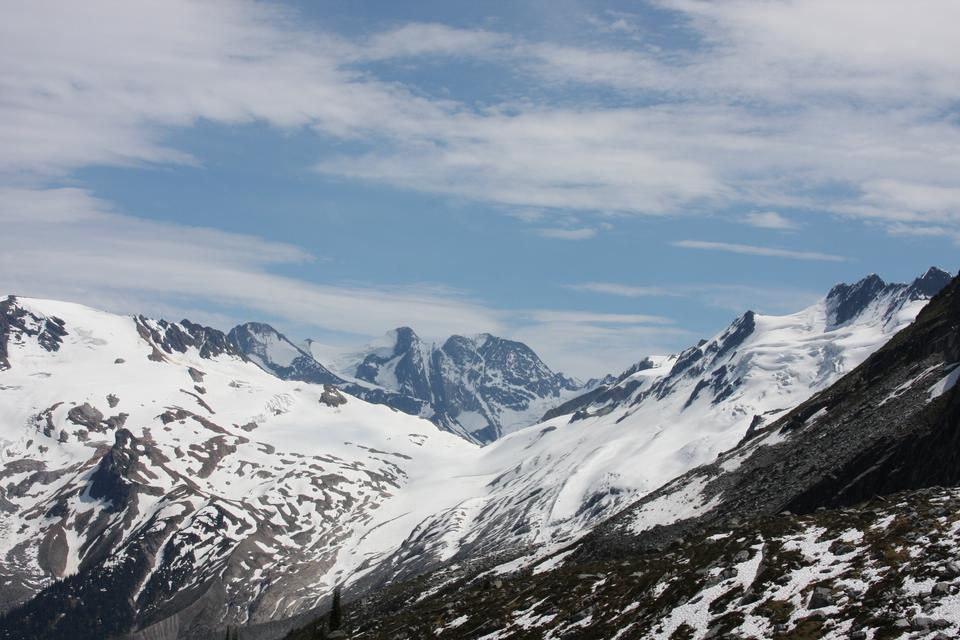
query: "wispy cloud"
752, 250
769, 220
592, 344
734, 297
622, 290
101, 255
596, 318
706, 131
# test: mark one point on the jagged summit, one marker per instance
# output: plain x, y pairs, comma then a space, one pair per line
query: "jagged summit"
483, 384
931, 282
273, 352
479, 386
873, 295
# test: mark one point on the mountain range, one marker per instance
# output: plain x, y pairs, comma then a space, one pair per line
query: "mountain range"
479, 387
164, 480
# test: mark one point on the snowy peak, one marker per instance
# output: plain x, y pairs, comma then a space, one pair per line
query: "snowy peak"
872, 296
846, 301
17, 324
399, 363
930, 283
761, 362
481, 385
274, 353
171, 337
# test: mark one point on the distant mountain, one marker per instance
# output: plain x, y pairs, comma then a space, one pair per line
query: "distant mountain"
889, 425
276, 354
273, 352
488, 385
478, 387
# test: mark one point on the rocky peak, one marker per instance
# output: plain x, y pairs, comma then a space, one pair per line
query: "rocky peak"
16, 323
475, 384
930, 283
405, 340
178, 337
847, 301
274, 353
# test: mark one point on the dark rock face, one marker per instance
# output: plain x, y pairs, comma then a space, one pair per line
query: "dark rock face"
110, 480
930, 283
847, 301
171, 337
331, 397
85, 415
484, 376
15, 322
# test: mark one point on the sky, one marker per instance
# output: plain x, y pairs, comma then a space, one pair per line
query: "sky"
601, 180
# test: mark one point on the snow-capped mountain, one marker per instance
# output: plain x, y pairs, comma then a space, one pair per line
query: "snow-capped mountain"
890, 425
478, 387
276, 354
489, 386
167, 479
273, 352
553, 482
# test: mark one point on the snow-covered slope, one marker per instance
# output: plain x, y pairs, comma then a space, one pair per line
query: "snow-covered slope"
275, 353
552, 482
157, 464
485, 385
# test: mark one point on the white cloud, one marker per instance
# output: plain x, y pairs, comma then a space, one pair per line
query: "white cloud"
901, 229
785, 99
592, 350
116, 258
769, 220
587, 317
587, 344
420, 39
621, 290
737, 298
752, 250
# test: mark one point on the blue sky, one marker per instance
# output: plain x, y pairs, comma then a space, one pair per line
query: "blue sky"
601, 180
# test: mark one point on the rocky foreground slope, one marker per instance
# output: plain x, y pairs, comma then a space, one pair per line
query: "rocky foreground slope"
886, 568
